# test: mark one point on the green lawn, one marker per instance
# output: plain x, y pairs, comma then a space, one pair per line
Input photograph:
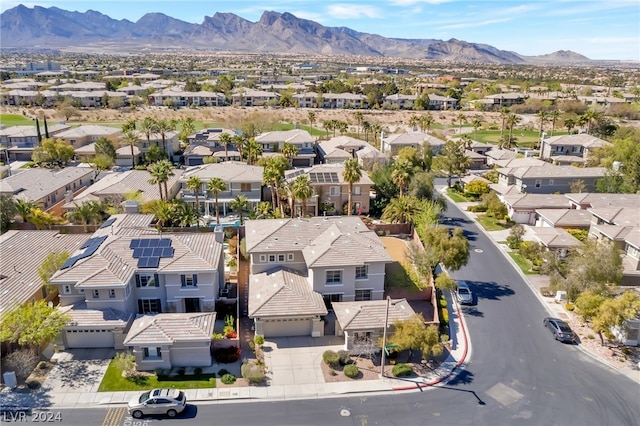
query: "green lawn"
399, 277
491, 223
524, 264
524, 138
313, 131
16, 120
113, 381
455, 196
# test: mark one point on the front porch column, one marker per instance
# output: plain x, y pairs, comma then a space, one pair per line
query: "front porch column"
318, 328
259, 329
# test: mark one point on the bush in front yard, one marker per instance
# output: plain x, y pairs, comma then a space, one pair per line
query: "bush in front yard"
400, 370
352, 371
331, 358
344, 358
227, 355
228, 379
252, 372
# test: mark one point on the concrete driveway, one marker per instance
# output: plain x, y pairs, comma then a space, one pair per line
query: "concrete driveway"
296, 360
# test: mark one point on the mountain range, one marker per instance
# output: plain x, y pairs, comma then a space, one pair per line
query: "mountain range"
91, 31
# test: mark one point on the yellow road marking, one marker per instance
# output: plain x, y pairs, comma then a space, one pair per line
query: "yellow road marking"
114, 416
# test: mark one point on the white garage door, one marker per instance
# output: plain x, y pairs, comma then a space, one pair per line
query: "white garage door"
288, 327
90, 338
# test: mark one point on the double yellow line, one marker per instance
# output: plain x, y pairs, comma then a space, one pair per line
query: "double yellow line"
114, 416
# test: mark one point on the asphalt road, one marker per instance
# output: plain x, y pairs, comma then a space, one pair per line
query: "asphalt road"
517, 373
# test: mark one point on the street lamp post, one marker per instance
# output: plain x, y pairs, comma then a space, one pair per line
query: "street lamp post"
384, 338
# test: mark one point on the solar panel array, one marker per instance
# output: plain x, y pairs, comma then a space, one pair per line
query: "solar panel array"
295, 174
90, 246
324, 177
148, 251
108, 223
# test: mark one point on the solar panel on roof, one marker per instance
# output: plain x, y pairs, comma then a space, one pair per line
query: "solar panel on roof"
167, 252
108, 223
157, 251
134, 244
165, 243
91, 249
147, 251
69, 263
148, 262
137, 253
144, 243
153, 243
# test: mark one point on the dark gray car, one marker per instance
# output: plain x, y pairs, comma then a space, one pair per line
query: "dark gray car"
560, 329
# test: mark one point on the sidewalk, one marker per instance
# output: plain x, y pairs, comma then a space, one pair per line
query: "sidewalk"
86, 395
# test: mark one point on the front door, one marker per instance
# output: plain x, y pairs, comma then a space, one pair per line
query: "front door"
192, 304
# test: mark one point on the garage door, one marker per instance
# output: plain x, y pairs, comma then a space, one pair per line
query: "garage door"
90, 338
288, 327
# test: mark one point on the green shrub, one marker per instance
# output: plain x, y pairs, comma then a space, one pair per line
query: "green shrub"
400, 370
352, 371
344, 358
42, 365
253, 373
228, 379
222, 372
444, 316
182, 371
331, 358
569, 306
33, 384
197, 371
258, 340
252, 346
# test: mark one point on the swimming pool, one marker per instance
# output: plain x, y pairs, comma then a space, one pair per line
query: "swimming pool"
236, 223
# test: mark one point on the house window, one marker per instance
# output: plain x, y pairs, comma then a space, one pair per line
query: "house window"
66, 289
127, 291
362, 272
550, 182
96, 294
538, 183
334, 191
281, 257
356, 190
272, 258
334, 277
189, 280
362, 337
290, 257
149, 306
112, 293
263, 258
363, 295
147, 281
245, 187
152, 353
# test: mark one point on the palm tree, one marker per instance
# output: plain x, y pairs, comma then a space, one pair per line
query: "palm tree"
303, 190
401, 174
476, 123
512, 120
591, 115
272, 176
148, 126
358, 116
413, 121
289, 151
215, 187
225, 140
504, 113
461, 118
130, 138
156, 172
263, 210
312, 118
166, 171
366, 128
351, 174
253, 150
582, 120
188, 127
554, 115
163, 127
239, 204
184, 213
401, 210
542, 116
239, 141
24, 208
570, 124
376, 129
85, 213
129, 125
163, 211
426, 121
194, 183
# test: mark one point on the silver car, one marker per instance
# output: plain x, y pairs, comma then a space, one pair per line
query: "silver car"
463, 293
158, 401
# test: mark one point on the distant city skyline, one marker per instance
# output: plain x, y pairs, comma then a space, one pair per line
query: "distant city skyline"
595, 28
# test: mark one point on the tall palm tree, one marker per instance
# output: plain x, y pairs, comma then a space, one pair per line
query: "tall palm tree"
194, 183
512, 120
225, 140
504, 113
130, 138
351, 174
591, 115
413, 121
570, 124
426, 121
156, 177
149, 126
215, 187
289, 151
312, 118
476, 123
303, 190
253, 150
359, 117
376, 129
342, 126
401, 174
543, 116
582, 120
163, 127
263, 210
460, 118
240, 141
24, 208
85, 213
188, 126
129, 125
554, 115
366, 128
166, 173
401, 210
272, 176
239, 204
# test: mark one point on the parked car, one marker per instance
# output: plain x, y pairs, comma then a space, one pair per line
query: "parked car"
560, 329
158, 401
463, 293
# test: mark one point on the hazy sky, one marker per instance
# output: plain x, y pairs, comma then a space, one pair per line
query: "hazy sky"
598, 29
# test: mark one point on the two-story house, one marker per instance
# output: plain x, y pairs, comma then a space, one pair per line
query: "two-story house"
567, 149
550, 179
339, 149
239, 178
298, 267
391, 144
301, 139
331, 191
170, 144
251, 97
128, 269
86, 134
20, 141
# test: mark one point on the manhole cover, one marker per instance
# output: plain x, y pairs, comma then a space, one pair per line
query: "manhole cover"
345, 413
478, 250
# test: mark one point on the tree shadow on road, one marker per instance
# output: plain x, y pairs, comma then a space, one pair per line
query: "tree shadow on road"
490, 290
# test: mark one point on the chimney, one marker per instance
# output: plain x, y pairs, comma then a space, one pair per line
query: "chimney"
218, 233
